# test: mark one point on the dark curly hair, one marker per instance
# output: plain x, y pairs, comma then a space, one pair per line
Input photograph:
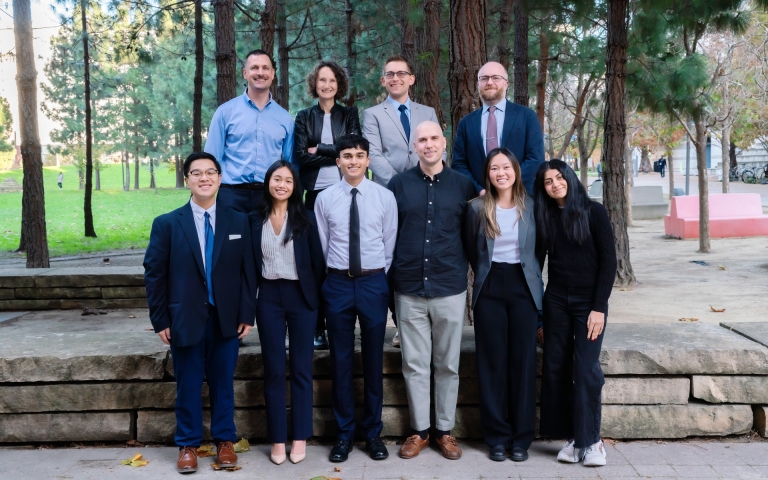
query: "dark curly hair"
341, 79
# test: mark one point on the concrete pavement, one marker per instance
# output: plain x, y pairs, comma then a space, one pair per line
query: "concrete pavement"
648, 460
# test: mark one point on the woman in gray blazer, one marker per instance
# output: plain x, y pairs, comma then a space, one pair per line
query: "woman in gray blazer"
500, 237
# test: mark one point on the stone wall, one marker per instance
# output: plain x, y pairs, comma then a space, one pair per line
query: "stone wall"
68, 288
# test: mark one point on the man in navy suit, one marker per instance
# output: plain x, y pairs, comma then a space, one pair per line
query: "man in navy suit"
512, 126
200, 278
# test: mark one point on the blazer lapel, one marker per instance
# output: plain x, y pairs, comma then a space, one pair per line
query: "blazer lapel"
490, 243
526, 221
395, 117
187, 222
298, 244
257, 243
475, 121
506, 129
220, 233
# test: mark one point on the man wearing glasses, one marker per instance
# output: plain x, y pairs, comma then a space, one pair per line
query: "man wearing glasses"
388, 126
199, 273
498, 123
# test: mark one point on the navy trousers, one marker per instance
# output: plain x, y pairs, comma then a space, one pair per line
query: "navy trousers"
571, 377
214, 359
281, 304
240, 200
348, 299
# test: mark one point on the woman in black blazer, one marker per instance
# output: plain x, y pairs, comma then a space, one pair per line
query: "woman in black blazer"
500, 237
290, 267
319, 127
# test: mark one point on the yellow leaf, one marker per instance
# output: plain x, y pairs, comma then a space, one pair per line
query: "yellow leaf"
205, 451
721, 267
136, 456
125, 462
242, 446
688, 319
716, 310
321, 477
139, 463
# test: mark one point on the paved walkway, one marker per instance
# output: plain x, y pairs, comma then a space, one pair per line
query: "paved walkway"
648, 460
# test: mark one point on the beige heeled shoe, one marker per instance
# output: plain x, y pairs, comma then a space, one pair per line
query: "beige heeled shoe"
277, 459
297, 457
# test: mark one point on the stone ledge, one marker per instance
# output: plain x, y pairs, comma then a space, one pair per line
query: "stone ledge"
730, 389
7, 294
66, 427
646, 391
38, 293
675, 421
90, 277
124, 292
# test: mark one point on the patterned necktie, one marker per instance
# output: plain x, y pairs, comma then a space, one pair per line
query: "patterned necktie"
355, 263
491, 140
406, 123
209, 256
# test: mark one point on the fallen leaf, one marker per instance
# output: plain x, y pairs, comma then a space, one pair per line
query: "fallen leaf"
336, 469
716, 310
205, 451
135, 458
688, 319
131, 316
134, 443
242, 446
139, 463
321, 477
228, 469
149, 329
721, 267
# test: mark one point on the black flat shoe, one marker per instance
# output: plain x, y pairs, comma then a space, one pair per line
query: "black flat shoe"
519, 454
376, 449
498, 453
321, 342
340, 451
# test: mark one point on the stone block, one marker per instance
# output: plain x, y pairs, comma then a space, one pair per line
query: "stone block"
759, 412
467, 422
680, 349
79, 277
123, 292
755, 331
160, 425
66, 427
731, 389
6, 294
51, 304
113, 303
19, 277
394, 391
646, 391
675, 421
396, 422
57, 292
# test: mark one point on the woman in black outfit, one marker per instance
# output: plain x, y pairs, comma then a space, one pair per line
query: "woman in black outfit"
576, 234
291, 268
316, 131
499, 234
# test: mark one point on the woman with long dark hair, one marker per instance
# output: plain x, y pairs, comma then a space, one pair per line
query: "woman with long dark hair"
290, 266
575, 233
500, 237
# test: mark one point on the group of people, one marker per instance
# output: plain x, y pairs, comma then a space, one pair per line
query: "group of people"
284, 228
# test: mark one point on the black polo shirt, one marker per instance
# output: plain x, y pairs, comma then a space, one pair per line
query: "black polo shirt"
429, 259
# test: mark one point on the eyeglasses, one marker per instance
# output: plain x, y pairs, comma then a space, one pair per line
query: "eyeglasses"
495, 78
210, 173
401, 74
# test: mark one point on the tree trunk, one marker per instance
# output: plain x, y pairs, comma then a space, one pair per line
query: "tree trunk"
670, 171
583, 152
97, 178
127, 185
578, 117
34, 238
226, 59
505, 24
197, 97
407, 31
645, 162
541, 80
267, 33
87, 210
701, 164
427, 88
179, 164
152, 174
283, 88
136, 162
726, 159
467, 55
351, 54
521, 53
629, 180
614, 133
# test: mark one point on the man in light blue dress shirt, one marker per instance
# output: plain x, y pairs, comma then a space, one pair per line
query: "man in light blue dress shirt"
248, 134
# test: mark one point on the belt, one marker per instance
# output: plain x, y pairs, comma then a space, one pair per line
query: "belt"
363, 272
244, 186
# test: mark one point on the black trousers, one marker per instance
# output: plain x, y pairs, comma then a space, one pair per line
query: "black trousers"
309, 203
241, 200
505, 340
571, 380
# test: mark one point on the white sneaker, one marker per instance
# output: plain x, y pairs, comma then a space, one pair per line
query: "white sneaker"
287, 343
396, 340
570, 454
595, 456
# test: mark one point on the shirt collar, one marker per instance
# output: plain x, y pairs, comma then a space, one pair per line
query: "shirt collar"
397, 104
249, 102
199, 211
438, 176
360, 188
501, 106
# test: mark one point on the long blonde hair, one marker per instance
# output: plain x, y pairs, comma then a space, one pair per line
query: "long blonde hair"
490, 198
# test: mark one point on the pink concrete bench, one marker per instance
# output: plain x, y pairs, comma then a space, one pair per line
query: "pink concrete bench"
730, 215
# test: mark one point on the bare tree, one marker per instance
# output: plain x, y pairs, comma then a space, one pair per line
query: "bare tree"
87, 210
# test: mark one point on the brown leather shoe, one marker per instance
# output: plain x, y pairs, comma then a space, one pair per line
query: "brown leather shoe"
187, 462
450, 447
413, 445
225, 455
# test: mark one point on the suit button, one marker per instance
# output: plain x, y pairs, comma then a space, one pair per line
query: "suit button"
410, 152
205, 284
205, 304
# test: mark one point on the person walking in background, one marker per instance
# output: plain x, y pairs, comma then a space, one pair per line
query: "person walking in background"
500, 236
315, 134
248, 134
575, 233
498, 123
429, 273
290, 270
357, 223
60, 180
662, 166
201, 285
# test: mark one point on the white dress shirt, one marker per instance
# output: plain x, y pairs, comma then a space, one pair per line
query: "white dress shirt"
500, 108
278, 259
506, 248
199, 213
378, 224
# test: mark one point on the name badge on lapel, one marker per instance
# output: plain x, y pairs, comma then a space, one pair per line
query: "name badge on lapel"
234, 237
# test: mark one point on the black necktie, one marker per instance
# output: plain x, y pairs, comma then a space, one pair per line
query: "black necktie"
404, 120
355, 264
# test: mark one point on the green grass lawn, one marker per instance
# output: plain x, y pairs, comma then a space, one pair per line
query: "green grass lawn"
122, 219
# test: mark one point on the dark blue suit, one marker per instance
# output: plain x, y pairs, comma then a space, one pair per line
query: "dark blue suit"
204, 339
521, 134
291, 303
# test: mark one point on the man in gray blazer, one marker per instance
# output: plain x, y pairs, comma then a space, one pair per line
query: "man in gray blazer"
388, 126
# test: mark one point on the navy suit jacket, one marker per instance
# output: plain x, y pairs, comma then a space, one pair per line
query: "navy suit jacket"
175, 278
308, 253
521, 134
